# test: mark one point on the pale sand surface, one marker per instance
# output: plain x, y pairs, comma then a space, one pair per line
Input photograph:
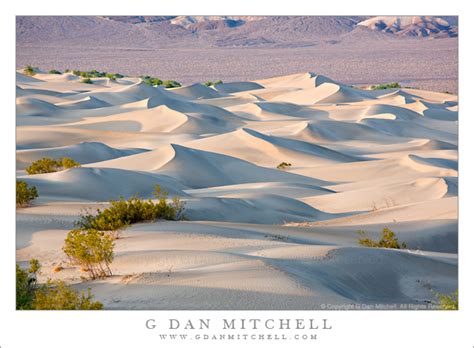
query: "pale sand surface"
256, 237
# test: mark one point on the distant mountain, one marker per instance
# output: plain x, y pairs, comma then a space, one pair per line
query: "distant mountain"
221, 31
420, 26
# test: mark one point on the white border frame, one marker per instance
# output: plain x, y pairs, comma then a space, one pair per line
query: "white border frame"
127, 328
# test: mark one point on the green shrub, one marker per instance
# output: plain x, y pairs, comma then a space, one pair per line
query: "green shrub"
151, 81
87, 80
210, 83
387, 240
122, 213
92, 250
54, 71
50, 165
448, 301
52, 295
67, 163
171, 84
67, 71
57, 296
29, 70
24, 193
284, 165
26, 285
44, 165
386, 86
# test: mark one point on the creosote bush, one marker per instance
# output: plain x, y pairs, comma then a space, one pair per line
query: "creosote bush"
29, 70
26, 285
171, 84
24, 194
87, 80
54, 295
122, 213
154, 81
151, 81
210, 83
94, 74
54, 71
387, 240
50, 165
386, 86
58, 296
90, 249
284, 165
448, 301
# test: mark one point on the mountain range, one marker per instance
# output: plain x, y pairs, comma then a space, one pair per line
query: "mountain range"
222, 31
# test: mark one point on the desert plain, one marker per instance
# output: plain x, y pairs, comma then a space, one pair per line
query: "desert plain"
255, 236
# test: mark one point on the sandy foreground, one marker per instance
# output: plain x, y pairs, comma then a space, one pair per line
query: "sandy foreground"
257, 237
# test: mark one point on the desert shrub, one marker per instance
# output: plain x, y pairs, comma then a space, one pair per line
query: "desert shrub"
44, 165
87, 80
284, 165
92, 250
210, 83
52, 295
29, 70
54, 71
67, 163
171, 84
111, 76
387, 240
50, 165
76, 72
151, 81
26, 285
67, 71
448, 301
122, 213
386, 86
24, 193
57, 296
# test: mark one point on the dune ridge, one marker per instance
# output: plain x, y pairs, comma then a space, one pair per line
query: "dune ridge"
277, 175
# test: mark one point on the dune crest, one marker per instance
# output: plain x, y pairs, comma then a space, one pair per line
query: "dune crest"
277, 177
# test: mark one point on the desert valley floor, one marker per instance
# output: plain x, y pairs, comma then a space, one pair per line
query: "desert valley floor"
256, 237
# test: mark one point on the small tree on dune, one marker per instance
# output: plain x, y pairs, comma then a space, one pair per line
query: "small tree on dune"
29, 70
91, 249
24, 194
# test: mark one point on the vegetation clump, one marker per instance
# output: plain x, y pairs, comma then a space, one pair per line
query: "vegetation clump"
171, 84
90, 249
29, 70
25, 194
58, 296
122, 213
448, 301
96, 74
387, 240
50, 165
87, 80
154, 81
26, 285
284, 165
54, 295
386, 86
210, 83
54, 71
151, 81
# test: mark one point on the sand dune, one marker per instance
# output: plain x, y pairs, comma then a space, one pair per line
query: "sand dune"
85, 152
270, 151
256, 237
103, 184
